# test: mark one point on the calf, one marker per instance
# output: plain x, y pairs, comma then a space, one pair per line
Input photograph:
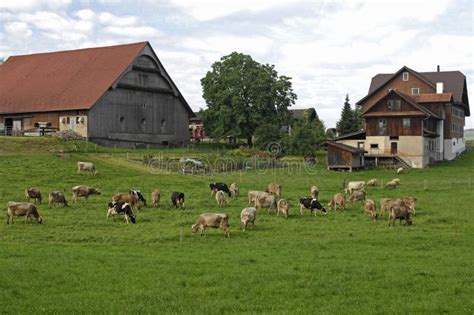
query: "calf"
358, 195
56, 197
86, 166
83, 191
33, 193
314, 192
310, 203
138, 195
371, 208
248, 215
22, 209
372, 182
352, 186
265, 202
155, 198
391, 185
177, 198
213, 220
337, 200
410, 202
273, 189
283, 207
121, 208
220, 198
126, 198
235, 189
399, 211
215, 187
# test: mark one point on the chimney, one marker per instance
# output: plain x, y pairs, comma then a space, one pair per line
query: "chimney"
437, 68
439, 87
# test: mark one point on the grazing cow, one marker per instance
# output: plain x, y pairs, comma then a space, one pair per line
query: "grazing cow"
391, 185
314, 192
410, 202
86, 166
83, 191
265, 202
372, 182
274, 189
213, 220
248, 215
283, 206
371, 208
399, 170
396, 181
177, 198
220, 198
56, 197
119, 208
155, 198
310, 203
138, 195
215, 187
352, 186
33, 193
385, 204
235, 189
399, 211
253, 195
358, 195
22, 209
126, 198
337, 200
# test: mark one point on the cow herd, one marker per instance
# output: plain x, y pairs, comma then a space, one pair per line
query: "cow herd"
126, 203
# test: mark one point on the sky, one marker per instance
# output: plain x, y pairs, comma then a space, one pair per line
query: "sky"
328, 48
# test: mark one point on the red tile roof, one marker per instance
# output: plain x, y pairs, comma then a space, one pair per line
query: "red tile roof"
63, 80
433, 98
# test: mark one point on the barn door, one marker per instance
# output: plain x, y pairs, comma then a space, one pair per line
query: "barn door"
17, 125
393, 148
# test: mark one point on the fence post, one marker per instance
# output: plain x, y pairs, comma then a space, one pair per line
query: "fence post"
128, 157
425, 186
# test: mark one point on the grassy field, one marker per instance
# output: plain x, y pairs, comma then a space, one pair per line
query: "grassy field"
77, 262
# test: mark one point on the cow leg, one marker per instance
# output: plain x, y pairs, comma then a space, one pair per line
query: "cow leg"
301, 209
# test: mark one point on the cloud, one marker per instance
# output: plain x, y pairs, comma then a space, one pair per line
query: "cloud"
31, 5
18, 30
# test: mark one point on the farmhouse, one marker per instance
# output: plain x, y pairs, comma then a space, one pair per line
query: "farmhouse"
413, 118
116, 95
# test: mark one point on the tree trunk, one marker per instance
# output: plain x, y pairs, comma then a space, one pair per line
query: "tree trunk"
249, 141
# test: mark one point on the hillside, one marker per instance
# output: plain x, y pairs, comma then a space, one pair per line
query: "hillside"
469, 134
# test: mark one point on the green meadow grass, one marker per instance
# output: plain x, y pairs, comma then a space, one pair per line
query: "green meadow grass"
78, 262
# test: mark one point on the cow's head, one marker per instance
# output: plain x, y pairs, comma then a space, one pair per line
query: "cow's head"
194, 228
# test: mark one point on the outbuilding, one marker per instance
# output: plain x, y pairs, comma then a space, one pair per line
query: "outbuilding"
344, 157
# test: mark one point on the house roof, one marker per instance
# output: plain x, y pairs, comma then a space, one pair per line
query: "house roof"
356, 135
344, 147
453, 82
63, 80
299, 113
433, 98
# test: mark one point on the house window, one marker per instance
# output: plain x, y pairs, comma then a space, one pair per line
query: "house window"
406, 122
360, 145
382, 123
122, 119
405, 76
394, 105
374, 145
415, 91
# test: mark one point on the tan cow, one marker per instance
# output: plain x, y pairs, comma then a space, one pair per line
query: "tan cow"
126, 198
213, 220
314, 192
83, 191
410, 202
391, 185
399, 211
86, 166
155, 198
337, 200
372, 182
283, 206
371, 208
252, 195
220, 198
248, 215
33, 193
266, 202
274, 189
353, 186
22, 209
358, 195
234, 189
56, 197
385, 205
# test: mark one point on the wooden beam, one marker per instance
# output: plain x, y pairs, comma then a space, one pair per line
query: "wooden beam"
144, 88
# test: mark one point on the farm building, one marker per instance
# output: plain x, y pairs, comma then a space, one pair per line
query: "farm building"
413, 118
117, 95
344, 157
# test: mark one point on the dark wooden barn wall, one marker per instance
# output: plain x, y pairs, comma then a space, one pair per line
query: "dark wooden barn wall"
394, 126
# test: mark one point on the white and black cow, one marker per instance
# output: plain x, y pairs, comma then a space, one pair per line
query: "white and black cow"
215, 187
311, 203
138, 195
117, 208
177, 198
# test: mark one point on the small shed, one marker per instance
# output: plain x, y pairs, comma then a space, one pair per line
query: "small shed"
344, 157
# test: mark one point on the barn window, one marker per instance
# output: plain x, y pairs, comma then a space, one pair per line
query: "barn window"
415, 91
405, 76
394, 105
374, 145
122, 119
68, 120
406, 122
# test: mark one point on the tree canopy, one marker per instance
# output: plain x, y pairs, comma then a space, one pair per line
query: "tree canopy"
242, 94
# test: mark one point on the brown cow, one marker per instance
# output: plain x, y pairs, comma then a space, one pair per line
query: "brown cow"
410, 202
371, 208
86, 166
252, 195
372, 182
266, 202
56, 197
248, 215
274, 189
126, 198
357, 195
22, 209
155, 198
398, 210
337, 200
33, 193
83, 191
220, 198
283, 207
234, 189
213, 220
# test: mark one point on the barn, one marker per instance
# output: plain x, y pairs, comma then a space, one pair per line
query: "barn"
116, 95
344, 157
